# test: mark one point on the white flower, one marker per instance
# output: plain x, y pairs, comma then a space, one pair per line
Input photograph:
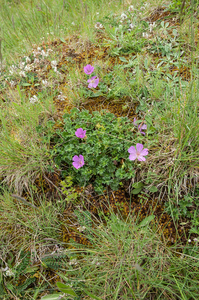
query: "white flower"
28, 60
54, 64
131, 8
36, 61
123, 16
95, 262
61, 97
33, 99
12, 83
9, 272
131, 26
22, 73
151, 26
189, 241
38, 49
81, 228
45, 83
145, 35
73, 262
43, 53
49, 50
28, 68
13, 69
73, 23
21, 65
98, 25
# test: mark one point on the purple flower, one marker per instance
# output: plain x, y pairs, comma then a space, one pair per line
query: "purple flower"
78, 161
93, 82
140, 127
88, 69
138, 153
80, 133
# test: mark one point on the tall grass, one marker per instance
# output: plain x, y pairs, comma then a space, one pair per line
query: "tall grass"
127, 259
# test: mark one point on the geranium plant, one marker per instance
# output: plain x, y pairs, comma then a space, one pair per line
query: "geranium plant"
101, 156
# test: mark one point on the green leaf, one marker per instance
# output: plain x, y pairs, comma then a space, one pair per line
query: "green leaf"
123, 59
66, 289
136, 191
147, 220
91, 295
137, 185
26, 84
52, 296
153, 189
62, 40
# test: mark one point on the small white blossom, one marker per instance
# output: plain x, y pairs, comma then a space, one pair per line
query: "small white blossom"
98, 25
36, 61
9, 273
44, 54
61, 97
12, 83
131, 8
151, 26
131, 26
45, 83
28, 60
81, 228
21, 64
28, 68
73, 262
123, 16
33, 99
95, 262
73, 23
54, 64
189, 241
38, 49
22, 73
13, 69
145, 35
49, 50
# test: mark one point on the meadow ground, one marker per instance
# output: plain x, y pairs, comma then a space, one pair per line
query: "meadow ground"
99, 158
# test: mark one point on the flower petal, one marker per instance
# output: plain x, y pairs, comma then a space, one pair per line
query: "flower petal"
132, 150
144, 152
132, 156
139, 147
141, 158
144, 126
75, 158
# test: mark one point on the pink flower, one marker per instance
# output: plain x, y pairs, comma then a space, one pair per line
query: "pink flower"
80, 133
140, 127
93, 82
138, 153
88, 69
78, 161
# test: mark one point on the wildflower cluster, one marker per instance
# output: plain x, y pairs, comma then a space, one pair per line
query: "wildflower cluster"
93, 81
94, 149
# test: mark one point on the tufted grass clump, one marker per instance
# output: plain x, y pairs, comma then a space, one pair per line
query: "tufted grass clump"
128, 260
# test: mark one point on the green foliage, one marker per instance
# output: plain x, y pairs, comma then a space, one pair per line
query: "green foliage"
104, 148
130, 252
55, 262
68, 190
182, 6
187, 209
15, 273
